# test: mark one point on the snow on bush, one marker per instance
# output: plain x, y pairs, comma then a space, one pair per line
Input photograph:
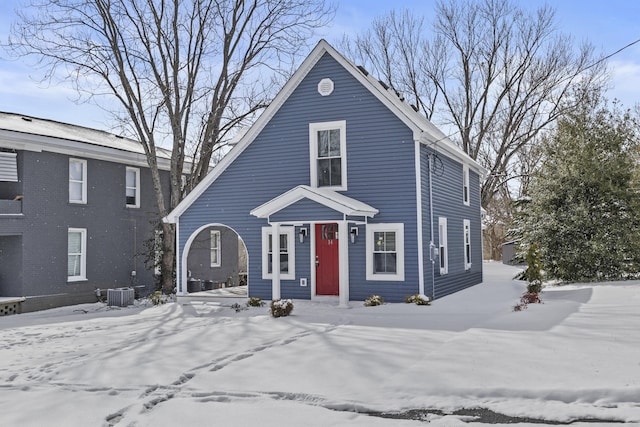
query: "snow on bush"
417, 299
373, 300
281, 307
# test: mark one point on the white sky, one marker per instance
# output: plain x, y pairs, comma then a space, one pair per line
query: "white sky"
576, 356
608, 25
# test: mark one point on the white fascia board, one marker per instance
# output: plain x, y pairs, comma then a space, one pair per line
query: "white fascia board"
40, 143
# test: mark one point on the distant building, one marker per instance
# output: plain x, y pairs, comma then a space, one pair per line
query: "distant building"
77, 212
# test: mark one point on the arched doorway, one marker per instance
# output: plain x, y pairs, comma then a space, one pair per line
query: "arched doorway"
215, 260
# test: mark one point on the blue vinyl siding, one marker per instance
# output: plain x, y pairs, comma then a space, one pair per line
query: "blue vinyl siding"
448, 203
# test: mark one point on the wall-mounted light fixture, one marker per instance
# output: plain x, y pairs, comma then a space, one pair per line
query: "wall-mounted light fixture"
302, 234
353, 234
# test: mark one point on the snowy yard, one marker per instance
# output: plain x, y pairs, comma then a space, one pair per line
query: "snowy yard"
575, 357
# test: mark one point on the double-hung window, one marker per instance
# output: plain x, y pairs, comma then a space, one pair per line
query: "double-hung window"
132, 187
285, 245
77, 181
215, 248
385, 252
465, 185
76, 254
442, 245
467, 244
328, 154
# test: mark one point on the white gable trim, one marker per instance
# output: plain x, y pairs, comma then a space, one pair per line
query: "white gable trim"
329, 198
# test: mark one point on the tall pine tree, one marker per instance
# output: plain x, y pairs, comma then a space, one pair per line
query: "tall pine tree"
583, 211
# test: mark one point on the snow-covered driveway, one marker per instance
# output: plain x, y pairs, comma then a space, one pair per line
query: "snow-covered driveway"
577, 356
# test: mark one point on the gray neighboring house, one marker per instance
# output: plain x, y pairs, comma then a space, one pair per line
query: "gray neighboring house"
77, 212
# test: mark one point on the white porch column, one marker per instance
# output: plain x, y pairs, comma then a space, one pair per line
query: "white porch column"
343, 251
275, 261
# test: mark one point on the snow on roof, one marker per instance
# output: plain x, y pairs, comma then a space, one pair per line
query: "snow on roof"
36, 126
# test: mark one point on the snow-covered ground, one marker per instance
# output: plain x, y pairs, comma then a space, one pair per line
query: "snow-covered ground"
575, 357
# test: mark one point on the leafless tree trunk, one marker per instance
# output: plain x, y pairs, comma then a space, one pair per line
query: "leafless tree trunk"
491, 73
185, 73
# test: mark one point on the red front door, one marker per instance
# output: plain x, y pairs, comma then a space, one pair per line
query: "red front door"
327, 272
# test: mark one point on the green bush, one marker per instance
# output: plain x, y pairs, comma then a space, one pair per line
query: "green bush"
255, 302
373, 300
280, 307
158, 298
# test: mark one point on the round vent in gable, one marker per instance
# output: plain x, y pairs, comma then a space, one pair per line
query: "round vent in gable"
325, 87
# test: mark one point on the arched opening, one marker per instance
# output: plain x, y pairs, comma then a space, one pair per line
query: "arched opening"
215, 260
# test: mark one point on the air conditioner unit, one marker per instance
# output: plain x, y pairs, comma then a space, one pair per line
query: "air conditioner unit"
120, 297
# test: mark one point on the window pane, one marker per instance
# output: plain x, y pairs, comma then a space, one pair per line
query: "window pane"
73, 266
131, 178
283, 243
75, 171
75, 243
323, 143
384, 263
324, 173
284, 263
336, 172
334, 143
390, 241
270, 263
378, 238
75, 191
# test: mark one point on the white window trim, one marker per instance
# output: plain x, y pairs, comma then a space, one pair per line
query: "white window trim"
291, 246
467, 238
84, 181
466, 196
443, 249
398, 228
215, 234
137, 187
83, 254
313, 151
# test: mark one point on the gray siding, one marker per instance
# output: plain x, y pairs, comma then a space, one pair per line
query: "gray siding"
199, 263
116, 235
380, 159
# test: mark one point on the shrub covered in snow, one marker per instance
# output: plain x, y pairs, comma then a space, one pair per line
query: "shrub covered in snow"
417, 299
373, 300
158, 298
281, 307
255, 302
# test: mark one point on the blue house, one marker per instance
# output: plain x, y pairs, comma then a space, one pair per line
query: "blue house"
365, 195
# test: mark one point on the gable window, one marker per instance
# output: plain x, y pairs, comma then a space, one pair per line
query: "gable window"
132, 187
465, 184
285, 244
76, 254
77, 181
467, 244
215, 248
442, 245
385, 252
328, 154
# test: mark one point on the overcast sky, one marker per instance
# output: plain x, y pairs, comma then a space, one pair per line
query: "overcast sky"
609, 25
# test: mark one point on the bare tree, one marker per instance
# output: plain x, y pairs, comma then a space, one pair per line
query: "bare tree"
492, 72
185, 73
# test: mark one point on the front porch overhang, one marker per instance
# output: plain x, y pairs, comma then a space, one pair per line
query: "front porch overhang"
347, 206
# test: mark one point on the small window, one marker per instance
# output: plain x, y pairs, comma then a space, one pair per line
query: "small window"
467, 244
76, 254
287, 253
465, 184
215, 248
442, 245
328, 154
132, 190
385, 252
77, 181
